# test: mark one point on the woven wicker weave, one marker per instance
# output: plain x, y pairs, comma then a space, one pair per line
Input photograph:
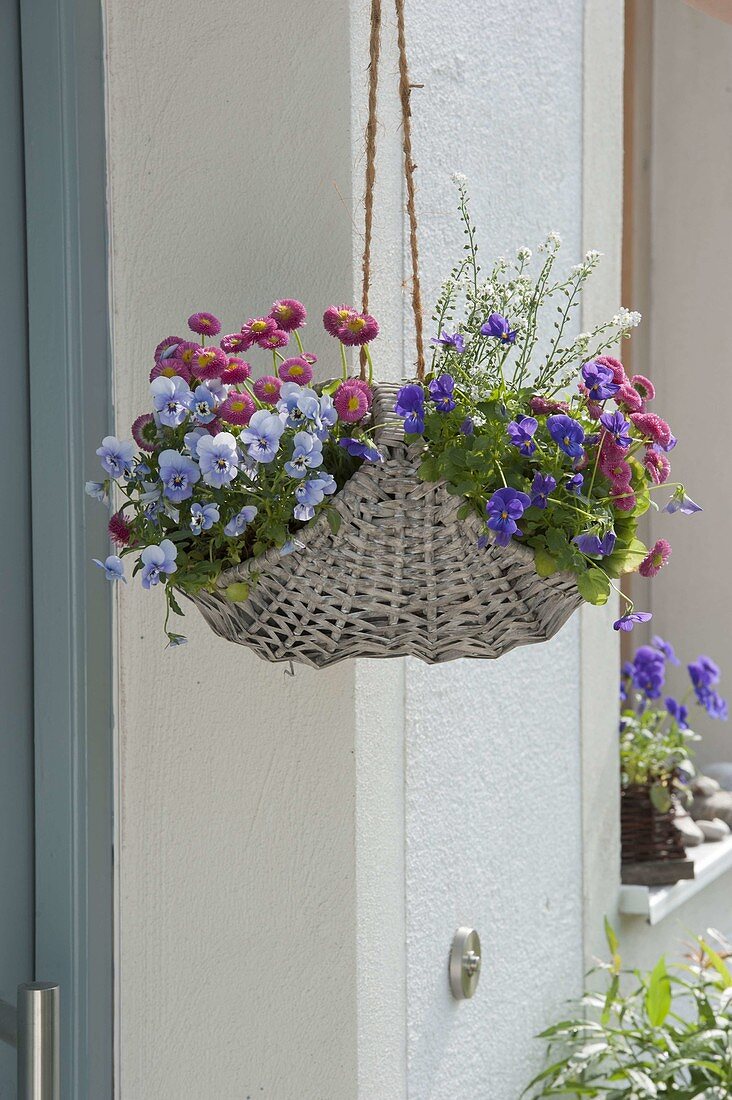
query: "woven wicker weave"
403, 576
647, 833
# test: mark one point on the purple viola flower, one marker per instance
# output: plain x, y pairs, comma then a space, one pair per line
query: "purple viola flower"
598, 379
171, 399
361, 448
678, 712
541, 487
179, 474
666, 648
628, 621
116, 456
262, 435
203, 405
441, 392
453, 340
618, 427
312, 492
504, 508
238, 523
521, 434
113, 568
468, 426
649, 671
594, 546
158, 560
567, 434
574, 484
704, 675
680, 502
410, 405
203, 517
96, 490
219, 458
307, 455
498, 327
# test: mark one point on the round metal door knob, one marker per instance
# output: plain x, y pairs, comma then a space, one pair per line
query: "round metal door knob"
465, 963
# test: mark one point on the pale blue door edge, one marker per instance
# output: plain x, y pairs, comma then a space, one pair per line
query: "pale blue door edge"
64, 124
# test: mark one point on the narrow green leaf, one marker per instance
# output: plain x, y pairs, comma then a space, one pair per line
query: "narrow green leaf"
658, 994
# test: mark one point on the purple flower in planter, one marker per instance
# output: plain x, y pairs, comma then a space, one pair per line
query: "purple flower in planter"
704, 675
179, 474
156, 561
203, 405
666, 648
467, 427
218, 457
441, 392
598, 379
113, 568
680, 503
410, 405
567, 434
115, 456
678, 712
453, 340
595, 547
361, 448
627, 622
498, 327
574, 484
238, 524
307, 455
203, 517
504, 508
618, 427
312, 492
262, 436
541, 487
521, 434
171, 399
649, 671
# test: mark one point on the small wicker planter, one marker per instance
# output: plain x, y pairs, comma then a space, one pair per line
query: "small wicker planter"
652, 848
402, 577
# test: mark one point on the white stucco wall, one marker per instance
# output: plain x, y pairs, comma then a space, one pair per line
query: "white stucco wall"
295, 854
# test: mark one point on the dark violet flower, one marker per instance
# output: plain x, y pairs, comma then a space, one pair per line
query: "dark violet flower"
410, 405
598, 379
441, 392
649, 671
666, 648
504, 508
627, 622
453, 340
618, 427
567, 434
541, 487
361, 448
467, 427
594, 546
679, 502
678, 712
498, 326
574, 484
521, 434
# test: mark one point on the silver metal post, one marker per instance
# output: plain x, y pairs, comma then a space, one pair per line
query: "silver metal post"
39, 1041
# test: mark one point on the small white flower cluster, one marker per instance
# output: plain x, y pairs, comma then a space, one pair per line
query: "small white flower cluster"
524, 255
459, 178
626, 318
552, 243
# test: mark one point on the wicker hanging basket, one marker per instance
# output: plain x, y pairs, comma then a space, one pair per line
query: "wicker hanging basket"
402, 577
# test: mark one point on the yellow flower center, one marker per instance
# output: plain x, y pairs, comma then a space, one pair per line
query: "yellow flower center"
284, 313
295, 370
504, 515
259, 326
355, 324
353, 403
238, 406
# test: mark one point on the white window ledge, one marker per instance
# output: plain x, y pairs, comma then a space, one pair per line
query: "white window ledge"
656, 902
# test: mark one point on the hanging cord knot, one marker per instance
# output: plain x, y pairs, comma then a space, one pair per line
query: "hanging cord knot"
405, 90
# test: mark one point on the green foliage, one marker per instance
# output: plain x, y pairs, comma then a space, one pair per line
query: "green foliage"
665, 1034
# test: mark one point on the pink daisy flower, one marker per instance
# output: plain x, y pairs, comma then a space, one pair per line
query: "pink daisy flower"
358, 329
610, 452
238, 408
629, 398
657, 466
185, 352
624, 499
644, 386
209, 363
365, 388
272, 340
620, 378
267, 389
350, 402
168, 342
296, 369
237, 370
255, 329
205, 324
335, 317
540, 406
618, 472
310, 358
169, 368
657, 557
119, 530
234, 342
653, 427
288, 314
145, 432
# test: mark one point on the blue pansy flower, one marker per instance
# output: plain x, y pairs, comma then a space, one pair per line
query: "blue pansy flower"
598, 379
238, 524
113, 568
521, 434
312, 492
203, 517
179, 474
171, 399
307, 455
116, 456
219, 458
680, 502
203, 405
441, 392
410, 405
567, 434
455, 341
158, 561
498, 327
594, 546
361, 448
96, 490
541, 487
262, 436
628, 621
618, 427
574, 484
678, 712
504, 509
666, 648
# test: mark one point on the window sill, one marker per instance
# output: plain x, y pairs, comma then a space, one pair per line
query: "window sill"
656, 902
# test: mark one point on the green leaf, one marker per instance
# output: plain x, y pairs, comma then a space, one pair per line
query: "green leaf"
717, 962
544, 562
464, 510
658, 994
237, 592
334, 520
626, 559
612, 942
661, 797
594, 587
